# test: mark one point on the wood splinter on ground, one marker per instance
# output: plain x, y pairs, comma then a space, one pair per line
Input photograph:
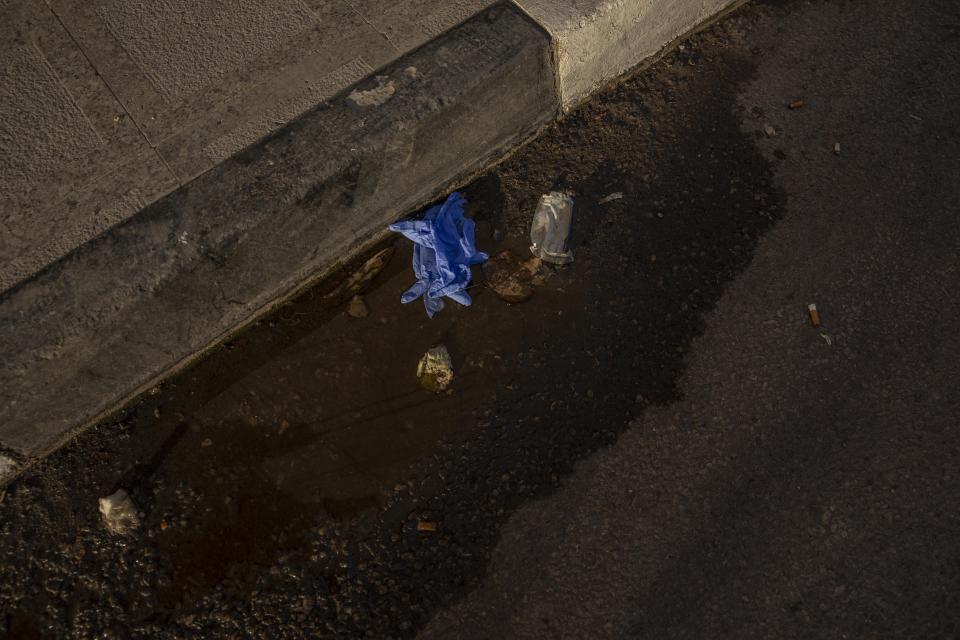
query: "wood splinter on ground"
814, 314
426, 525
796, 104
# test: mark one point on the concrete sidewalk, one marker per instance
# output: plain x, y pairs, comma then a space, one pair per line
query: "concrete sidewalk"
170, 170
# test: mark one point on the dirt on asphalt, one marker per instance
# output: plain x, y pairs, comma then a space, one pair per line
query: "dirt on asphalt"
282, 481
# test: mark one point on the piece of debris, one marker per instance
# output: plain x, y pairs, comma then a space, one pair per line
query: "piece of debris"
511, 279
836, 148
550, 231
357, 308
770, 131
360, 278
426, 525
164, 524
827, 339
119, 513
796, 104
445, 249
8, 468
207, 442
814, 315
435, 369
617, 195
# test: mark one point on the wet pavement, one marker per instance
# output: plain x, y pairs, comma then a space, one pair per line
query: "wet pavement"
314, 413
284, 481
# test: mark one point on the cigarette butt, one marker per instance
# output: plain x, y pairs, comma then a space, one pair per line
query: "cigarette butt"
836, 148
425, 525
814, 315
796, 104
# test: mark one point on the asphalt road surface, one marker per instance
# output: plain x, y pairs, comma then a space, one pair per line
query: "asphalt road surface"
657, 444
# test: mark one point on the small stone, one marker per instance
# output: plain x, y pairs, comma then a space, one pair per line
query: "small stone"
207, 442
357, 308
770, 131
510, 278
836, 148
119, 512
435, 369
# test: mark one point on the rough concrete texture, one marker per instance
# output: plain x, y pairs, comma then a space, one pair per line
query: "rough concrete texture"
410, 23
130, 305
133, 100
71, 163
597, 40
182, 47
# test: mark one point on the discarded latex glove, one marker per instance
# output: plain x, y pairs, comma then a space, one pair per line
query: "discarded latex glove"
445, 249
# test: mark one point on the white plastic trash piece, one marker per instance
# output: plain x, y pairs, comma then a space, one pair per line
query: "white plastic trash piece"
550, 231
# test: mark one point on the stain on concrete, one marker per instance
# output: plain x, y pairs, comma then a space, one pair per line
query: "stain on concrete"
375, 96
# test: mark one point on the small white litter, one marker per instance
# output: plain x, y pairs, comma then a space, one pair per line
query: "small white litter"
610, 198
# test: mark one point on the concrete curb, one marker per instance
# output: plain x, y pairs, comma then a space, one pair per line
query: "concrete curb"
109, 320
596, 41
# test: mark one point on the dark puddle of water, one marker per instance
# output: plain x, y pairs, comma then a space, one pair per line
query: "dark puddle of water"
311, 414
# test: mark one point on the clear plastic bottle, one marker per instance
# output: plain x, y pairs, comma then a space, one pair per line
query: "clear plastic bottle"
550, 231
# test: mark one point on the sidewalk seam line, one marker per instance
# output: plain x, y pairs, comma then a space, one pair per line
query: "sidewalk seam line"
116, 97
374, 27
